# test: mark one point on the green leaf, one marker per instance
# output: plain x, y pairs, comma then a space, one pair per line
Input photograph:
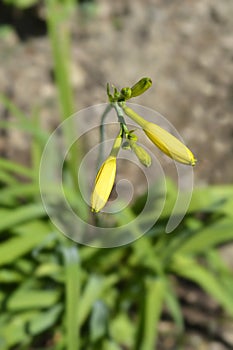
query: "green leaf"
23, 121
188, 268
24, 298
6, 178
11, 218
110, 345
73, 302
220, 268
212, 198
217, 233
95, 288
90, 294
154, 298
10, 276
10, 195
16, 168
33, 234
174, 307
144, 255
122, 330
98, 321
21, 3
49, 269
13, 329
25, 266
37, 146
45, 320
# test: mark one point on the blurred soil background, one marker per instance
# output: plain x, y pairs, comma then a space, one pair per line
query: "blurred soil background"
184, 46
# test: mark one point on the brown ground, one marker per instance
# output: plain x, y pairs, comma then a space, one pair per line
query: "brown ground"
184, 46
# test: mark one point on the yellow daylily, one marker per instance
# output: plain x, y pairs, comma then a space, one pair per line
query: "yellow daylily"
165, 141
105, 178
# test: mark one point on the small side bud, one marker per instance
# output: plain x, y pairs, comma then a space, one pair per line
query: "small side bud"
117, 95
126, 93
141, 153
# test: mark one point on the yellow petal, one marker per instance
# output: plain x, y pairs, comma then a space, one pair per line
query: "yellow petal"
103, 184
169, 144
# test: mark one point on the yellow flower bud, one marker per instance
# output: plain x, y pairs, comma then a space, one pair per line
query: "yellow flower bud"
105, 178
169, 144
165, 141
103, 184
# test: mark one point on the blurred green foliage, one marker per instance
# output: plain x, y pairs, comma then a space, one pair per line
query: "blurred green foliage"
97, 299
21, 3
58, 295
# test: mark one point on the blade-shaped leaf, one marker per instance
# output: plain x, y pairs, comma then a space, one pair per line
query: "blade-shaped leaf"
32, 299
11, 218
153, 304
188, 268
218, 233
33, 234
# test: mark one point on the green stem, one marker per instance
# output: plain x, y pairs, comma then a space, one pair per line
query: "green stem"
59, 35
133, 115
117, 144
120, 116
73, 286
58, 16
101, 128
153, 303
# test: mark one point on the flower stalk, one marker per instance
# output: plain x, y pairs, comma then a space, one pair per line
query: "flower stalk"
165, 141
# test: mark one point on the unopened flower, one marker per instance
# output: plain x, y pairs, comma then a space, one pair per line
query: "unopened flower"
141, 86
142, 155
103, 184
169, 144
137, 89
165, 141
105, 178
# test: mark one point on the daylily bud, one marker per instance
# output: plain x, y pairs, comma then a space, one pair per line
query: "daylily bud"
103, 184
126, 93
105, 178
140, 87
141, 153
165, 141
169, 144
